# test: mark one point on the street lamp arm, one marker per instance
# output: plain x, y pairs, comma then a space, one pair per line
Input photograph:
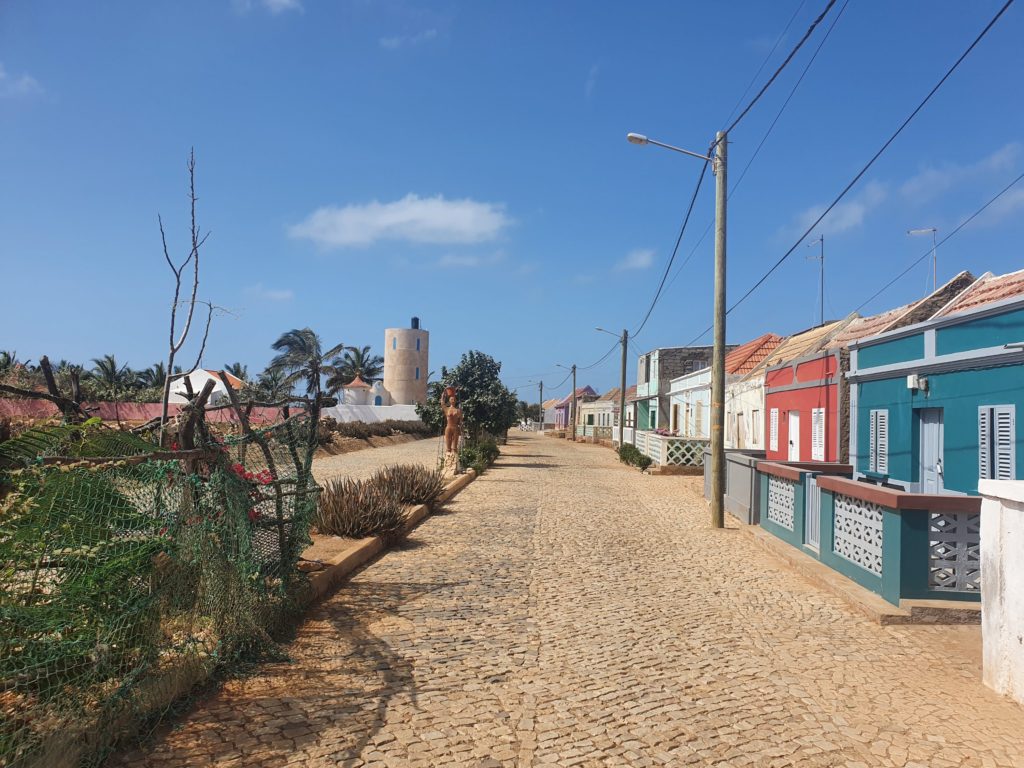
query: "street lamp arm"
636, 138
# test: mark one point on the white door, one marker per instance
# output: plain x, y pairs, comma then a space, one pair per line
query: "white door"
794, 435
931, 450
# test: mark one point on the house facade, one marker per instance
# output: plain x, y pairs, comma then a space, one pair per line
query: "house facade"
934, 405
690, 395
655, 371
564, 410
807, 398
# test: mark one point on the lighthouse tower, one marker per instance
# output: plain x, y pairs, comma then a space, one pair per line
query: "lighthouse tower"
405, 363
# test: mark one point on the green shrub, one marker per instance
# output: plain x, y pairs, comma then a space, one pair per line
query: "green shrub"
479, 455
358, 508
630, 454
411, 483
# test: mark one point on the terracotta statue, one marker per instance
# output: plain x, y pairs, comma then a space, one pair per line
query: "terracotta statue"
453, 420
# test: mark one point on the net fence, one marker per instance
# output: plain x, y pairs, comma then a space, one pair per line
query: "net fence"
131, 573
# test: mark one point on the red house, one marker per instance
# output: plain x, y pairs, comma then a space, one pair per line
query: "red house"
807, 404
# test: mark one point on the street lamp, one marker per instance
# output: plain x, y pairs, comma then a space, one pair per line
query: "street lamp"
572, 398
935, 262
718, 165
624, 341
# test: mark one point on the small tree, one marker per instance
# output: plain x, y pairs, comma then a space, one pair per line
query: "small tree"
487, 404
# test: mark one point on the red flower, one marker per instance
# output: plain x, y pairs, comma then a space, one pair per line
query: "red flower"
253, 514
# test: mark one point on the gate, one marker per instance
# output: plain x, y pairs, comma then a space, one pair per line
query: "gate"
812, 513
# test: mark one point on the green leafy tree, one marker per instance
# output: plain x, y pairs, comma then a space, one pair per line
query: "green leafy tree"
525, 410
302, 358
487, 405
153, 376
355, 362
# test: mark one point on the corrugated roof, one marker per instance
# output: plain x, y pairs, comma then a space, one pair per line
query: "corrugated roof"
987, 289
747, 357
804, 343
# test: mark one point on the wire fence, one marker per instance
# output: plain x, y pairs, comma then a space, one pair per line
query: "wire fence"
131, 573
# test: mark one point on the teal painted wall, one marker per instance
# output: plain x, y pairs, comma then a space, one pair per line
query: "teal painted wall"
643, 414
959, 394
888, 352
984, 332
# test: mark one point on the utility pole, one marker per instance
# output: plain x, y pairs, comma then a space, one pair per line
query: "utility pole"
572, 402
821, 258
622, 386
541, 401
718, 352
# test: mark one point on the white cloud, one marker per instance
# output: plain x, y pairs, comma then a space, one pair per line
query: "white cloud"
640, 258
413, 219
847, 215
270, 294
466, 261
1009, 204
591, 83
931, 182
395, 42
13, 86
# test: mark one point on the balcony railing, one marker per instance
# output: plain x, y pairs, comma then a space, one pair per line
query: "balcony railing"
900, 545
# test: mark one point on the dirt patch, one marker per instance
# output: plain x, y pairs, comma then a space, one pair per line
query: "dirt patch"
341, 445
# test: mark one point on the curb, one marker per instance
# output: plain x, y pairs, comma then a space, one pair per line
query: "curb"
322, 583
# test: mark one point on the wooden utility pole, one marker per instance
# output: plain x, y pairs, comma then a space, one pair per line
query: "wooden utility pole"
622, 386
718, 352
541, 396
572, 403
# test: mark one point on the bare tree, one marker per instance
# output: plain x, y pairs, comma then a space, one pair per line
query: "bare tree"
177, 339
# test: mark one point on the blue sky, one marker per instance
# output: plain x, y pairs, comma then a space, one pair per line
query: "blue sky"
362, 162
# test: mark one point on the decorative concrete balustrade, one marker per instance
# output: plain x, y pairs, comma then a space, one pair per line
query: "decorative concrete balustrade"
666, 451
900, 545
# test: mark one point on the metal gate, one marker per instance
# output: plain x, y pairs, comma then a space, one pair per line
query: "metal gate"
812, 513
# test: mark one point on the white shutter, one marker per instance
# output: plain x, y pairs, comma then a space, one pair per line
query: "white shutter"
872, 441
773, 429
1004, 442
882, 448
817, 434
985, 442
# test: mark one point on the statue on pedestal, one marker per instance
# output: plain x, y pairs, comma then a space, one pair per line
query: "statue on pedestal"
453, 423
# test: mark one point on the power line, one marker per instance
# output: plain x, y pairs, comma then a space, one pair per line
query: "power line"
764, 138
782, 66
874, 158
675, 250
778, 40
928, 253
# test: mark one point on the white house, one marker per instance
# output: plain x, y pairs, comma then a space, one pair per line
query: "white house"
197, 380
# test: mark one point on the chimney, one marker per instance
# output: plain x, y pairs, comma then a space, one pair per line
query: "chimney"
415, 323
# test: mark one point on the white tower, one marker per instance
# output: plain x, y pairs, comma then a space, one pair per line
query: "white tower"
405, 363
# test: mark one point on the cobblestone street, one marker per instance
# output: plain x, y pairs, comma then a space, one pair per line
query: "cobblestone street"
566, 610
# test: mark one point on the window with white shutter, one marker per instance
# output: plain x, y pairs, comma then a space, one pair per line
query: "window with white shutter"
878, 441
773, 429
817, 434
997, 449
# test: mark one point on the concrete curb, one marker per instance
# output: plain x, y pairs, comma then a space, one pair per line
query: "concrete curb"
338, 567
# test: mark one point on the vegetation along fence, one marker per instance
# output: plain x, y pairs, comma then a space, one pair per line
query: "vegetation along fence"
131, 572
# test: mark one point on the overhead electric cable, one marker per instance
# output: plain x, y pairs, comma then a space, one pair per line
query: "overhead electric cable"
782, 66
764, 138
930, 251
871, 162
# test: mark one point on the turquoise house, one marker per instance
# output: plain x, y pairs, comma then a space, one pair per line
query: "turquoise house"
934, 405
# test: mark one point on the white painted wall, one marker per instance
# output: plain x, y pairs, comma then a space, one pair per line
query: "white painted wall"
371, 413
745, 398
1002, 585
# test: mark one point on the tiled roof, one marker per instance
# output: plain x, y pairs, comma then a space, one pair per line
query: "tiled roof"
987, 289
357, 383
580, 392
804, 343
612, 394
747, 357
631, 394
236, 383
550, 403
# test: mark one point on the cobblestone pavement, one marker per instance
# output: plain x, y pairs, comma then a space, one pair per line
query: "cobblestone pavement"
362, 464
565, 610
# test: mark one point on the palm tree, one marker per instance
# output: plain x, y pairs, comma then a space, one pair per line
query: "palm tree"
8, 360
355, 362
153, 376
106, 371
301, 356
271, 386
238, 370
